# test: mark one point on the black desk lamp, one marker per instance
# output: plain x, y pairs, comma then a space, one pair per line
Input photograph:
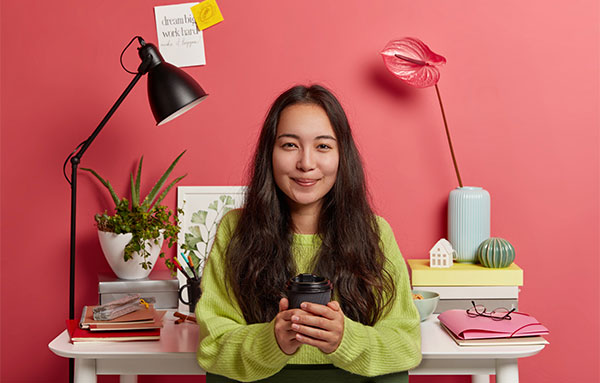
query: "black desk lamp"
171, 92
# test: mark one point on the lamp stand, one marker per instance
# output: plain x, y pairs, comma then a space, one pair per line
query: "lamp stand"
171, 92
75, 160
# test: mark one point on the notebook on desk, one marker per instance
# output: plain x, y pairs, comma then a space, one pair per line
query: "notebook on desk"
519, 341
77, 334
466, 327
129, 326
142, 316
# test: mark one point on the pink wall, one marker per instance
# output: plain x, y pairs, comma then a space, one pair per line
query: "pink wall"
520, 90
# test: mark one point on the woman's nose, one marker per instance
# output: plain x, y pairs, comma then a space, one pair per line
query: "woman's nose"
306, 162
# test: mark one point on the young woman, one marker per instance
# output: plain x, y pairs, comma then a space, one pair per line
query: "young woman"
306, 211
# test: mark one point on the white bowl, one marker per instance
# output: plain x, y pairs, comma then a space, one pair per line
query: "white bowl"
427, 305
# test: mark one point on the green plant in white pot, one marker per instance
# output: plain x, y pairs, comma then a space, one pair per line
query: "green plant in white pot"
132, 238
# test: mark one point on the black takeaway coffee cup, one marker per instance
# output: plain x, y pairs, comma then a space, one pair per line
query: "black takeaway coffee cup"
308, 288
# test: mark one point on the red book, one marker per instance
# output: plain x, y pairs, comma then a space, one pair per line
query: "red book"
80, 335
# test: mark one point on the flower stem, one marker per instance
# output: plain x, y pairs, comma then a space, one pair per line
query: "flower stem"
448, 136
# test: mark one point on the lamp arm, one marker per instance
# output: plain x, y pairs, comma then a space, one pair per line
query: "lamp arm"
112, 110
147, 62
75, 160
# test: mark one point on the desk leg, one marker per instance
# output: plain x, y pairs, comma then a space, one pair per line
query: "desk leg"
128, 379
507, 371
85, 370
480, 379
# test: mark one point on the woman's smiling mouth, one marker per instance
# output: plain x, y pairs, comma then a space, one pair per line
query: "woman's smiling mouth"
304, 181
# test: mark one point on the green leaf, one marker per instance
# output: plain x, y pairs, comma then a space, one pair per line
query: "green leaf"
105, 183
214, 205
195, 231
166, 191
134, 201
223, 198
196, 260
229, 201
199, 217
138, 180
159, 184
191, 240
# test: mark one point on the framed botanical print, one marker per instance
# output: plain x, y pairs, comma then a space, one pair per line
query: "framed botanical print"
203, 207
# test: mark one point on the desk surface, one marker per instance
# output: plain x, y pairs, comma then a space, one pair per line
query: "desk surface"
180, 342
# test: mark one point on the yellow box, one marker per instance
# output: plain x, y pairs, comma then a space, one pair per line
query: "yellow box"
463, 274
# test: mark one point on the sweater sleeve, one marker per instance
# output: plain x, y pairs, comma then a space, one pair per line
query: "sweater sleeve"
228, 345
394, 343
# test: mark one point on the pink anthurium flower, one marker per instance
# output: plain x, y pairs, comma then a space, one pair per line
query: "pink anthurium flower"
413, 62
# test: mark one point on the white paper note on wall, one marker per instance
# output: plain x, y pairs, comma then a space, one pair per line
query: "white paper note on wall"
179, 40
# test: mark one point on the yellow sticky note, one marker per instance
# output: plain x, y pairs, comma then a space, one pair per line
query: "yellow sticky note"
207, 14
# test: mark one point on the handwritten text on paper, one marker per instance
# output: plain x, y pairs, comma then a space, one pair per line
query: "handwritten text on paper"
179, 40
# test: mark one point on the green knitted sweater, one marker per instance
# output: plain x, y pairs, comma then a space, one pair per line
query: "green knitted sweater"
232, 348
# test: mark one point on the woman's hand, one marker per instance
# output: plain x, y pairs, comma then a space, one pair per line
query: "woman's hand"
285, 336
323, 327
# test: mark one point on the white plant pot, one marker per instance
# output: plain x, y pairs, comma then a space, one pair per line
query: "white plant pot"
113, 247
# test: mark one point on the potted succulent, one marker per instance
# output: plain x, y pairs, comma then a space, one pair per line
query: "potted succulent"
132, 237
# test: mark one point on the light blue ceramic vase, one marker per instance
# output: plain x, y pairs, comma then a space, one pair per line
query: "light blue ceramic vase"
468, 221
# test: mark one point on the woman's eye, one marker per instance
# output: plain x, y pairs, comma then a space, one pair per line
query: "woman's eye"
288, 145
323, 147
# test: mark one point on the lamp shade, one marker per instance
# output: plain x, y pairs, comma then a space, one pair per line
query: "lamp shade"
172, 92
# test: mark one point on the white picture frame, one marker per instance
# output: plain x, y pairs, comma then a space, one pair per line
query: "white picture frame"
203, 207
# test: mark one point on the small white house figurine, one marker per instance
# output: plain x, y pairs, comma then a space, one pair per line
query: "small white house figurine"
441, 254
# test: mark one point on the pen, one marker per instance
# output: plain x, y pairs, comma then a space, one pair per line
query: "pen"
181, 268
190, 263
185, 258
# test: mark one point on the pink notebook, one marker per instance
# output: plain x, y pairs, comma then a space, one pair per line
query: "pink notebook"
466, 327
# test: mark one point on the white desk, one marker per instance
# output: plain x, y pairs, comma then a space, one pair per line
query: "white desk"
175, 354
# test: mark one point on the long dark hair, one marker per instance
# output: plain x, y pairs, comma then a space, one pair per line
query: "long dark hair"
259, 256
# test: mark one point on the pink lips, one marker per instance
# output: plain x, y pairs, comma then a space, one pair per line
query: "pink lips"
304, 181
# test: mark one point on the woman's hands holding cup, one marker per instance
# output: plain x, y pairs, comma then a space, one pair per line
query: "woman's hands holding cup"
285, 336
321, 326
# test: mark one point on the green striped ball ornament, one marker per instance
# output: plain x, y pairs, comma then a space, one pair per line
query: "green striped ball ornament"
496, 253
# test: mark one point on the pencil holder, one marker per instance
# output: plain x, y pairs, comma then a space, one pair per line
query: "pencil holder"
193, 293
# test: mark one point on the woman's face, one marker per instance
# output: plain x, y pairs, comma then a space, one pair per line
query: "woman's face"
305, 156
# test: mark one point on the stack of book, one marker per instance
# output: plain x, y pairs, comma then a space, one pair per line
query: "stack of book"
463, 282
140, 325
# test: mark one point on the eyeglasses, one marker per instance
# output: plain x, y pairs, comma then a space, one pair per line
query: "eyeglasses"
500, 313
